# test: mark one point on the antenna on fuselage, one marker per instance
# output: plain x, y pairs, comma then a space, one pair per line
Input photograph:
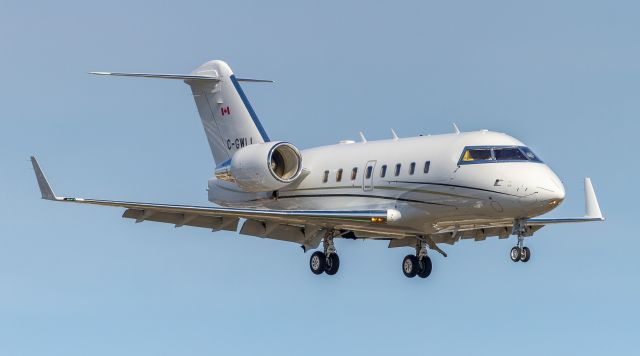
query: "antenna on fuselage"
393, 132
364, 139
456, 129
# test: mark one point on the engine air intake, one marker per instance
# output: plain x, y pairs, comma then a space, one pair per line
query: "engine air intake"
262, 167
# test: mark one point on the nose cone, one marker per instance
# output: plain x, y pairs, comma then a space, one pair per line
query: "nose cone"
544, 190
553, 190
548, 187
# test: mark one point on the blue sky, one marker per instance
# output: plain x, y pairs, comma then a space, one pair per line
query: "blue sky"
77, 280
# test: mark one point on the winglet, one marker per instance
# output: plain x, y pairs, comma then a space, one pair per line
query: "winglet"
45, 188
591, 205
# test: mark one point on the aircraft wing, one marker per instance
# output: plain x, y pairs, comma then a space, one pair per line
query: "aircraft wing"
306, 227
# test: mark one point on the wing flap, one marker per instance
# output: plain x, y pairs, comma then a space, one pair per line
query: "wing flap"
207, 222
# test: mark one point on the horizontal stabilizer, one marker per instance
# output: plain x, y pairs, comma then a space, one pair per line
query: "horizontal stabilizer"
159, 76
249, 80
178, 76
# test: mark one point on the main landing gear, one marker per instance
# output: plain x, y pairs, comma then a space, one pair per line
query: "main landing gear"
520, 252
327, 261
418, 264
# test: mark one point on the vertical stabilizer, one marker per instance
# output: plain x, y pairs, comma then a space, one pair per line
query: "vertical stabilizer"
227, 116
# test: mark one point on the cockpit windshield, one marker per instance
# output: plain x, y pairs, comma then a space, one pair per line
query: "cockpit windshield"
477, 154
530, 155
508, 154
497, 154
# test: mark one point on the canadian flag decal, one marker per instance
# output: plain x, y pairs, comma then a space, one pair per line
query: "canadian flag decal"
225, 111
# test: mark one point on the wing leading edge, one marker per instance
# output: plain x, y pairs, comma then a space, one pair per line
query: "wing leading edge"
218, 218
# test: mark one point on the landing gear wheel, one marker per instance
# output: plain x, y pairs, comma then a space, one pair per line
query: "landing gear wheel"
332, 264
424, 267
515, 254
410, 266
525, 254
317, 262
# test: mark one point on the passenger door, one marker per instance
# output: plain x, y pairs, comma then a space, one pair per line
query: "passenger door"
367, 176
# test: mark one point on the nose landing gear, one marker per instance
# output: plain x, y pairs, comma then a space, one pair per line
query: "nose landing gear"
520, 252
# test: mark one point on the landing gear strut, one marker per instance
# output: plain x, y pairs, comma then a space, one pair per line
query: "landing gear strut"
418, 264
327, 261
520, 252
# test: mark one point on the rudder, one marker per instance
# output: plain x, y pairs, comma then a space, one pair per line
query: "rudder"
229, 121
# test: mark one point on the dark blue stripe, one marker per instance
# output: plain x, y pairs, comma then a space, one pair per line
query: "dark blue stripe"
247, 104
358, 196
456, 186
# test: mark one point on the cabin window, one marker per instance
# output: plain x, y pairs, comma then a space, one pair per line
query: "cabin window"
509, 154
325, 177
426, 166
398, 166
339, 175
369, 170
354, 173
383, 170
477, 154
412, 168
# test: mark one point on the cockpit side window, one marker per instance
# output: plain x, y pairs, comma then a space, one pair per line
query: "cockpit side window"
477, 154
530, 155
509, 154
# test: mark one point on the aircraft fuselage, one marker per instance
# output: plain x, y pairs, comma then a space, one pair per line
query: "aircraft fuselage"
350, 176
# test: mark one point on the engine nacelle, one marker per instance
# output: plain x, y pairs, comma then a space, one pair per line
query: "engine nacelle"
262, 167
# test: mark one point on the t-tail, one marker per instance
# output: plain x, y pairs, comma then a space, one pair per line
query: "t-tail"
229, 121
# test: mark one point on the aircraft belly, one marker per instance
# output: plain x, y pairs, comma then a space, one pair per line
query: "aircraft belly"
421, 205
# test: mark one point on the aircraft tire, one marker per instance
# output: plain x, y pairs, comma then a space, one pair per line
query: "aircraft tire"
332, 264
410, 266
317, 262
515, 254
424, 267
525, 255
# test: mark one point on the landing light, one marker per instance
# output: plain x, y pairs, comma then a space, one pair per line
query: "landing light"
377, 220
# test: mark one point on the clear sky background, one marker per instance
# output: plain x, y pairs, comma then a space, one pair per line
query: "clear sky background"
562, 76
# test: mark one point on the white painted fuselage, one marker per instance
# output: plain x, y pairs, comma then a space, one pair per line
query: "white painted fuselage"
447, 191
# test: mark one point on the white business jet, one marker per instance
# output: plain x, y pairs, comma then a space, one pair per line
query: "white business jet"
417, 192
